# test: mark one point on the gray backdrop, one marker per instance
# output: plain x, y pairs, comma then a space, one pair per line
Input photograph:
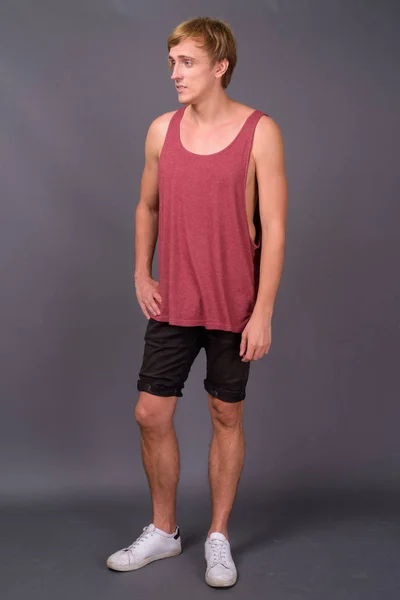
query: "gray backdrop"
80, 83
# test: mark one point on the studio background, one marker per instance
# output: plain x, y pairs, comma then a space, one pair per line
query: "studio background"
81, 82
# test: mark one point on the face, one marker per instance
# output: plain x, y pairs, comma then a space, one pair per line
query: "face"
192, 73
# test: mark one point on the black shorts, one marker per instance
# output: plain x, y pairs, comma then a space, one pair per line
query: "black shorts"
170, 351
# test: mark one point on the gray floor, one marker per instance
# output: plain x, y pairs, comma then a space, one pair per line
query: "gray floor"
286, 546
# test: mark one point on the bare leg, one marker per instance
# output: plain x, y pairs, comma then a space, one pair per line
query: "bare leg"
226, 459
160, 453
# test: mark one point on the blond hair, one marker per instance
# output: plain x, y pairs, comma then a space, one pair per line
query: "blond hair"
219, 41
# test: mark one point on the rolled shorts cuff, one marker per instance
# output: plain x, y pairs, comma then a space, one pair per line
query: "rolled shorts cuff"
158, 389
224, 395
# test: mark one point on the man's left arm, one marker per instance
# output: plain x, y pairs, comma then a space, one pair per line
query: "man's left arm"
268, 154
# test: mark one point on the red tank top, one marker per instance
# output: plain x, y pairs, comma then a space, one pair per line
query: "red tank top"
208, 265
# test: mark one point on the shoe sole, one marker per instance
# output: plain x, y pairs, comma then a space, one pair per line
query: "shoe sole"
221, 584
142, 563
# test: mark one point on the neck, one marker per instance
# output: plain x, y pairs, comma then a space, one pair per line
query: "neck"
211, 110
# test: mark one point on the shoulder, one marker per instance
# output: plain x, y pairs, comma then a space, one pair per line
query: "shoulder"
268, 139
160, 124
265, 125
158, 130
267, 131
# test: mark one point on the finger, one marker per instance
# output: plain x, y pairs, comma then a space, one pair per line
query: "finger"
246, 357
144, 310
157, 298
259, 353
243, 345
250, 353
152, 306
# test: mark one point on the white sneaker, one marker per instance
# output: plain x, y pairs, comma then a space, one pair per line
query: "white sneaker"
221, 570
151, 545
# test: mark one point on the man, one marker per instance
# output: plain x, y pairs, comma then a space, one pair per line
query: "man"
214, 170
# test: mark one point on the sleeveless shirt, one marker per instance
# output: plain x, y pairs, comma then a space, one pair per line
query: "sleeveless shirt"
208, 265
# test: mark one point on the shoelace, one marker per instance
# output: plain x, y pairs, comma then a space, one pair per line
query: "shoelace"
145, 535
219, 552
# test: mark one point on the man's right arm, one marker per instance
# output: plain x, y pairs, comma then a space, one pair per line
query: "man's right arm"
146, 219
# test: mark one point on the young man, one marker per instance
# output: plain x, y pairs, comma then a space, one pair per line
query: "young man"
213, 186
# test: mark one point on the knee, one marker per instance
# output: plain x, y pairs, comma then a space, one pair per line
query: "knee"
227, 415
149, 419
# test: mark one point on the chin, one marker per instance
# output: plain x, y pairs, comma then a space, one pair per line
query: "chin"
188, 99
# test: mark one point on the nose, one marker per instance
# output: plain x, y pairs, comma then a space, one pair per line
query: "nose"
175, 73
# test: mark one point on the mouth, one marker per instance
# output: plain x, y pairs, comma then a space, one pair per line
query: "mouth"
180, 88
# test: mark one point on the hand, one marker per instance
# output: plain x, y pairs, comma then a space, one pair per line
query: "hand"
256, 337
148, 296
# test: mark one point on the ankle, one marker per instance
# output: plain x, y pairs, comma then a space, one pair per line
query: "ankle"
165, 526
221, 529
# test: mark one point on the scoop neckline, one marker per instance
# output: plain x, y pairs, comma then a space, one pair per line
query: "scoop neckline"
213, 153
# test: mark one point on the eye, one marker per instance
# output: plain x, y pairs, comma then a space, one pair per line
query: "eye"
188, 62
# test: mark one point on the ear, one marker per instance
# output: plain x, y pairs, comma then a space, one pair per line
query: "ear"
221, 67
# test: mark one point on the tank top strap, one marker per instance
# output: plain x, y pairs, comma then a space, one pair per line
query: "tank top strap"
172, 138
246, 135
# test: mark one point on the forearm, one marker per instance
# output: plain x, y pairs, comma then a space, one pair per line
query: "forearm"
271, 267
146, 233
